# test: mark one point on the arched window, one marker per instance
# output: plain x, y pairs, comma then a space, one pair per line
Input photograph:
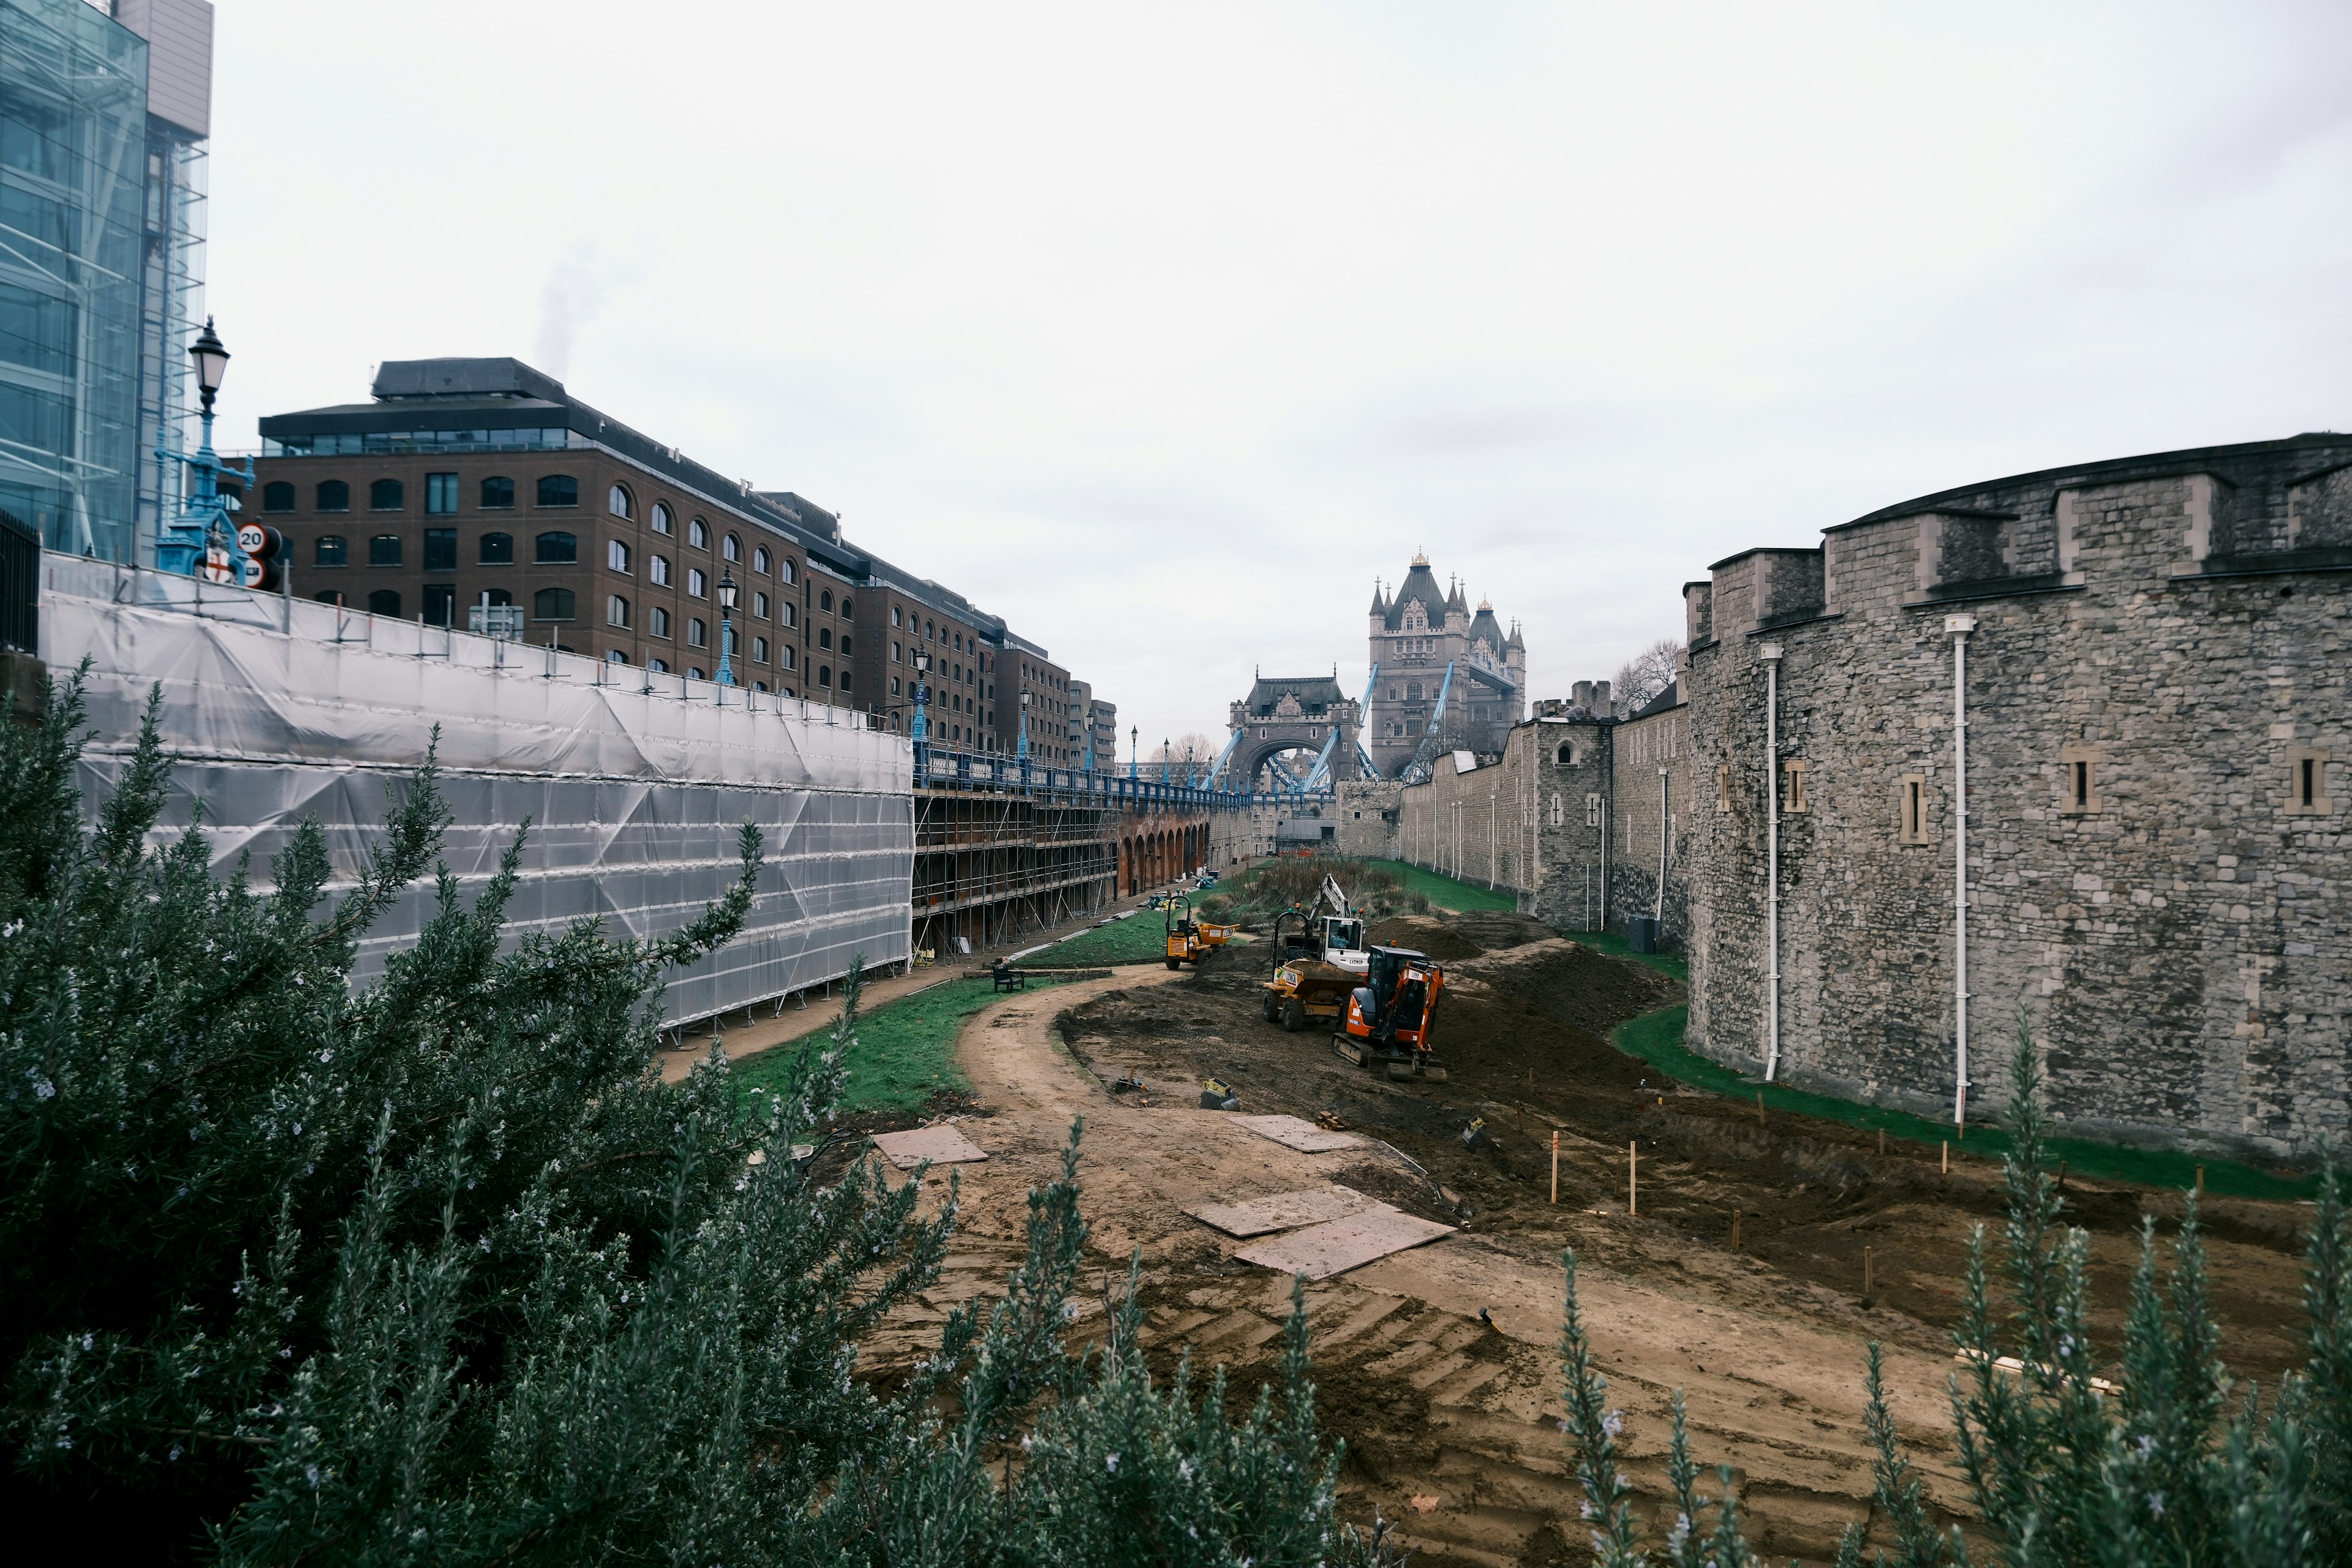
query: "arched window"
277, 495
617, 555
697, 634
662, 521
697, 584
559, 490
1568, 754
844, 678
617, 611
498, 549
384, 550
697, 533
785, 613
824, 675
824, 636
553, 604
786, 571
845, 645
658, 622
759, 559
657, 570
616, 656
330, 597
498, 493
555, 549
825, 599
384, 495
329, 550
334, 496
758, 650
658, 666
732, 548
696, 674
785, 656
760, 605
618, 502
384, 602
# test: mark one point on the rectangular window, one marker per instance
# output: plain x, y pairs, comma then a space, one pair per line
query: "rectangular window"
440, 604
1794, 800
1591, 811
2078, 780
1911, 809
2307, 783
440, 549
441, 494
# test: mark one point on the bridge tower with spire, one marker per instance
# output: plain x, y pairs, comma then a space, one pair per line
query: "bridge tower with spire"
1415, 634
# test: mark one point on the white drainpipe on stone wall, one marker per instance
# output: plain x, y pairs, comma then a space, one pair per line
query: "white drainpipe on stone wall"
1771, 654
1659, 912
1960, 627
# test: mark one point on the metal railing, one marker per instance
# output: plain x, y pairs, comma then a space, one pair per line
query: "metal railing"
944, 770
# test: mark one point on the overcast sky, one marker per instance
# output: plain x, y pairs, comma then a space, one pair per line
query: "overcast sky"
1161, 332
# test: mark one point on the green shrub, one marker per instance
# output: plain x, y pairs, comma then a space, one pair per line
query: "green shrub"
440, 1271
2178, 1467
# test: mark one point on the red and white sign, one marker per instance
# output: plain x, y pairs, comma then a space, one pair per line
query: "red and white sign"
218, 568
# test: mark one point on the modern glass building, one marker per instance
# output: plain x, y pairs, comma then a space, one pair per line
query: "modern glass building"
103, 115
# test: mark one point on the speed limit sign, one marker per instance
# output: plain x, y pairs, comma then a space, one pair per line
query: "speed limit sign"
219, 568
253, 539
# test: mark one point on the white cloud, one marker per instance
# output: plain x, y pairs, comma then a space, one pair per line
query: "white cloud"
1162, 333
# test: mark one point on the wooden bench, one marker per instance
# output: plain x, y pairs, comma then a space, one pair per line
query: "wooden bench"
1006, 978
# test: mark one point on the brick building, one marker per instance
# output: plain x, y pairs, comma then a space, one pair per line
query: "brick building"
477, 492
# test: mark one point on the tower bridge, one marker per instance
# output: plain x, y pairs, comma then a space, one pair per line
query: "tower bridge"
1293, 734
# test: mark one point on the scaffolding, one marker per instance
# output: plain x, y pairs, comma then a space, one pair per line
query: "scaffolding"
992, 866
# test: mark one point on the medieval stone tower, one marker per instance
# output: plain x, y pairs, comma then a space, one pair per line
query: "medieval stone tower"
1414, 636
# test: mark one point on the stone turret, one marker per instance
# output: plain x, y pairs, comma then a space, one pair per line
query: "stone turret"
1380, 608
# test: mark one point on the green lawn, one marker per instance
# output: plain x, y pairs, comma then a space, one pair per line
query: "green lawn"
1657, 1038
1444, 892
1609, 943
1137, 937
905, 1050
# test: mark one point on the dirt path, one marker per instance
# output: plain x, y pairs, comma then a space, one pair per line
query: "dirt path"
1434, 1404
1450, 1426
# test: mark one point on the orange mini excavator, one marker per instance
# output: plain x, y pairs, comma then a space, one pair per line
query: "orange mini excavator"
1391, 1016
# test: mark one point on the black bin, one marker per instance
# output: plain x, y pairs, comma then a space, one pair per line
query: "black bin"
1642, 933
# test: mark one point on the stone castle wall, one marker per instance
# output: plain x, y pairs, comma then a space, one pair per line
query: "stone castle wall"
2156, 675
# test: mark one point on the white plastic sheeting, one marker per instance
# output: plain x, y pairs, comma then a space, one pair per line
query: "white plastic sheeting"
634, 783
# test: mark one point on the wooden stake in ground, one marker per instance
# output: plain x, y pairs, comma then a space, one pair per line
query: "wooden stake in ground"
2062, 1175
1882, 1140
1947, 1170
1867, 1281
2200, 1181
1735, 1230
1555, 1167
1759, 1108
1632, 1177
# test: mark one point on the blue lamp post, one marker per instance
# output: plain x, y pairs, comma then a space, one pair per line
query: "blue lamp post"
919, 732
727, 592
181, 545
1023, 749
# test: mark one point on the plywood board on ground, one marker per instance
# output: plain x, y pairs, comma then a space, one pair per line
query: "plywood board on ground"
1282, 1210
939, 1146
1293, 1133
1337, 1245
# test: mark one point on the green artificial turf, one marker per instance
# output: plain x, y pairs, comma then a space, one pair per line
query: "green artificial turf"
904, 1053
1143, 935
1445, 892
1657, 1038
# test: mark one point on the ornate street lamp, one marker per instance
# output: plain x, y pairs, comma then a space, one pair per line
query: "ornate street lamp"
1134, 748
202, 533
1023, 750
727, 592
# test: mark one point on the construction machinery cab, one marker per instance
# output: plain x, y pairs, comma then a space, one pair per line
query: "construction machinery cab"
1392, 1017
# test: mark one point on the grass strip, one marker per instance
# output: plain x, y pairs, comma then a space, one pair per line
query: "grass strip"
1657, 1038
1445, 892
1615, 946
905, 1051
1140, 936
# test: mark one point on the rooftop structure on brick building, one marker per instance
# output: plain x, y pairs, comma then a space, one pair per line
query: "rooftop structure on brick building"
1419, 637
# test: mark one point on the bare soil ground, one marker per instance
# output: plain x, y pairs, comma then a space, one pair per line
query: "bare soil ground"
1450, 1426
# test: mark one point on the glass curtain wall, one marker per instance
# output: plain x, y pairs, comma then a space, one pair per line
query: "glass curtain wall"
171, 288
73, 153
